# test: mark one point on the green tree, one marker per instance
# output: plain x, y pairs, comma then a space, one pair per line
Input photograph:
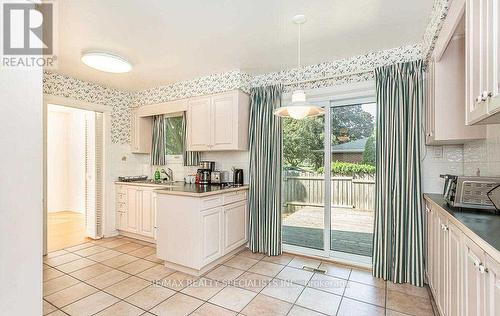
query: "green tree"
303, 142
352, 120
370, 154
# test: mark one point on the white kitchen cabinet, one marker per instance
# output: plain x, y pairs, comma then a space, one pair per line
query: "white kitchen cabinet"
132, 211
492, 294
445, 84
199, 122
140, 133
443, 265
211, 227
135, 211
454, 270
473, 279
482, 69
218, 122
235, 223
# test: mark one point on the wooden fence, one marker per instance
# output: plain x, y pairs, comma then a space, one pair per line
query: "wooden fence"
308, 190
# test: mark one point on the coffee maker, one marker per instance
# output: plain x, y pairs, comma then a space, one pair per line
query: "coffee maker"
205, 171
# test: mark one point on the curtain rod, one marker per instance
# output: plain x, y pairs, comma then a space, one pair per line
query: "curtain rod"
329, 77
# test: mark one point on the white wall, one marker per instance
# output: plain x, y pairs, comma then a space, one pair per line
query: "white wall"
463, 160
21, 191
65, 159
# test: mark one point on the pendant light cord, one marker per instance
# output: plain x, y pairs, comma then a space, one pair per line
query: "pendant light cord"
299, 46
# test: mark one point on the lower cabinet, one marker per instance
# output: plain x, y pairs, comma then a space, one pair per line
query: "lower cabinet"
195, 233
135, 211
463, 278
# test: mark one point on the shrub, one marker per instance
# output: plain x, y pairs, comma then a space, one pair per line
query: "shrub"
350, 169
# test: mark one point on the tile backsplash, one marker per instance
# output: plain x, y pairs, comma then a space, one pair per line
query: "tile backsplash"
481, 156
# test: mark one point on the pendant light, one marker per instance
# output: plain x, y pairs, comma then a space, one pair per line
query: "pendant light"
299, 108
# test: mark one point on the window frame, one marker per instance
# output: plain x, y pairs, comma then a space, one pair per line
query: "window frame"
172, 159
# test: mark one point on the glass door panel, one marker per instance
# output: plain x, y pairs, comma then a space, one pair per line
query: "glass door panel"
352, 178
303, 209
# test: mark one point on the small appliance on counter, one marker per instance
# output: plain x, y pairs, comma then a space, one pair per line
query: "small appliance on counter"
237, 177
215, 177
470, 192
207, 165
203, 176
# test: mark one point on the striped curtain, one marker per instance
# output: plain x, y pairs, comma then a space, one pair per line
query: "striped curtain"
159, 145
265, 170
190, 158
398, 233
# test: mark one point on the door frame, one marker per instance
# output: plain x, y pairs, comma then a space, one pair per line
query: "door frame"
342, 95
82, 105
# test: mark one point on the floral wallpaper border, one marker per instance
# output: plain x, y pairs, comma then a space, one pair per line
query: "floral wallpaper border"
122, 102
436, 19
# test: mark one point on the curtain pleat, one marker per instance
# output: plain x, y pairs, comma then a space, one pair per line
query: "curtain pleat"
190, 158
398, 232
159, 146
265, 170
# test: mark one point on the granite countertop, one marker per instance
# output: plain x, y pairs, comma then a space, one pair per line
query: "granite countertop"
149, 183
196, 190
484, 224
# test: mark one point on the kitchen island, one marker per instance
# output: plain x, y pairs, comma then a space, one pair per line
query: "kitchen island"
200, 226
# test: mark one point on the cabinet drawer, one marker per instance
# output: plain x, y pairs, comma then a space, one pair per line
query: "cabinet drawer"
120, 189
121, 206
235, 196
211, 202
121, 197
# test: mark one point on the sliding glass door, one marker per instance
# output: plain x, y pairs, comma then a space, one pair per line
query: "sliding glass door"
352, 179
328, 195
303, 210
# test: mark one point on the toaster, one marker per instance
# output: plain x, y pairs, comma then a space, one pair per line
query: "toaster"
469, 192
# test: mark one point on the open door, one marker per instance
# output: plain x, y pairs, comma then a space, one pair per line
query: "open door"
93, 174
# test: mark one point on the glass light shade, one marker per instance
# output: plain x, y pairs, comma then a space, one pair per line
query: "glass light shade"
299, 108
106, 62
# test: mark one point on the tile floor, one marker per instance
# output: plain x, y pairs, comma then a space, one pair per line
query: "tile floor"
122, 276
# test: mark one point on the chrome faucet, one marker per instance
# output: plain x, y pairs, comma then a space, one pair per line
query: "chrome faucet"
169, 174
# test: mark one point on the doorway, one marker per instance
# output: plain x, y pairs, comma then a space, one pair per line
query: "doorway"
73, 175
329, 178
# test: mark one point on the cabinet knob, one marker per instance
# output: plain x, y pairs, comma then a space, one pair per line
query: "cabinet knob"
479, 99
483, 269
444, 227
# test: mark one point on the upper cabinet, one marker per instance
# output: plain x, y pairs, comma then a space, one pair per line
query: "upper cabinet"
218, 122
140, 133
445, 85
482, 61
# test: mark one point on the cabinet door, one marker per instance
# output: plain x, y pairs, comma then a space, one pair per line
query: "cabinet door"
223, 131
443, 265
473, 279
235, 225
492, 273
476, 60
494, 56
146, 214
436, 233
132, 218
211, 225
454, 271
429, 245
199, 126
121, 220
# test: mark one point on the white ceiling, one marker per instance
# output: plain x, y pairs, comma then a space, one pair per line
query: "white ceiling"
174, 40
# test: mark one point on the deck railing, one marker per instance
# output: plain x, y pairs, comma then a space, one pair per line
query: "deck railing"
308, 190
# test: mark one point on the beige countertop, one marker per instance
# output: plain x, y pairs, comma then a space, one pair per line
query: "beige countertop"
185, 189
194, 190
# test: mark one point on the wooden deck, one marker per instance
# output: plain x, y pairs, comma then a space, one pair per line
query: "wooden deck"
352, 230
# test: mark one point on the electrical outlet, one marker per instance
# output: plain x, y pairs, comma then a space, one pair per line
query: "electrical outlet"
438, 152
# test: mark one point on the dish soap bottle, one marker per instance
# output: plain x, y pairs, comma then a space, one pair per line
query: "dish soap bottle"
157, 175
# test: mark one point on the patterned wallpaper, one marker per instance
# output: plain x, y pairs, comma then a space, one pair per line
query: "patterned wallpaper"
438, 14
121, 101
61, 85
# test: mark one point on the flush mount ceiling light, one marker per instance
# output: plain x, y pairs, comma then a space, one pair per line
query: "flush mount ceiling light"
106, 62
299, 108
